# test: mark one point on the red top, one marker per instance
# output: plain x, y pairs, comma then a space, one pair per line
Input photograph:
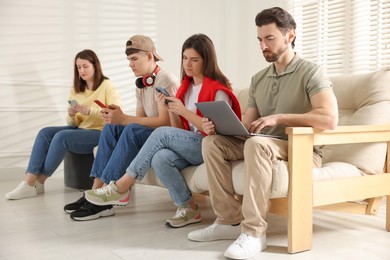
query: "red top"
207, 93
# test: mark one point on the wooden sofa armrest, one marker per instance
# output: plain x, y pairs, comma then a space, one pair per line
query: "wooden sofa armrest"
301, 197
344, 134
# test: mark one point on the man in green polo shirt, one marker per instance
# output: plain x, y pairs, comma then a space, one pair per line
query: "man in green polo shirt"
290, 92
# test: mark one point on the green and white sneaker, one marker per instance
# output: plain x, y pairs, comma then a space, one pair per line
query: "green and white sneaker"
184, 217
108, 195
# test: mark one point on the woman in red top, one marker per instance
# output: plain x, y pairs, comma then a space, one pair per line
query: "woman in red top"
170, 149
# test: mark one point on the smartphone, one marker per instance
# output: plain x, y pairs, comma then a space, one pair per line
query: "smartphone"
163, 91
100, 104
72, 102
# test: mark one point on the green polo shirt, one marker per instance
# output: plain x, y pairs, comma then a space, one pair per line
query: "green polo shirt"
287, 93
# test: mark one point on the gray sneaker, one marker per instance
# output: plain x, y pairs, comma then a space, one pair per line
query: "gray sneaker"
184, 217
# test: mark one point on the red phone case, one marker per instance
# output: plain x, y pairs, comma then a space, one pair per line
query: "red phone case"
100, 104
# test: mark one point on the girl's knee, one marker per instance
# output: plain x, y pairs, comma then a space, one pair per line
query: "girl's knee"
60, 138
161, 132
159, 158
46, 131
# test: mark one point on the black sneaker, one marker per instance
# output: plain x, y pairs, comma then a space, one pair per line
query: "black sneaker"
69, 208
91, 211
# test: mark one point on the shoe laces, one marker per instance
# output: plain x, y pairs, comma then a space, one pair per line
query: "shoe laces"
212, 226
87, 205
81, 200
107, 190
24, 183
241, 239
180, 212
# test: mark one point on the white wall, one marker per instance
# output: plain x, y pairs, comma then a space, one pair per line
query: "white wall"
40, 38
229, 23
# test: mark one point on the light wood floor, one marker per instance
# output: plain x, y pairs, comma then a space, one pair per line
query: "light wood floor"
38, 228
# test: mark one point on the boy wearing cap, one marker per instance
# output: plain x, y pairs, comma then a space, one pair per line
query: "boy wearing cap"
123, 135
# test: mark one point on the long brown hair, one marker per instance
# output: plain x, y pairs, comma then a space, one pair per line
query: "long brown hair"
78, 83
203, 45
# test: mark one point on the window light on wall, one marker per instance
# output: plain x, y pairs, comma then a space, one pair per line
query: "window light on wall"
343, 36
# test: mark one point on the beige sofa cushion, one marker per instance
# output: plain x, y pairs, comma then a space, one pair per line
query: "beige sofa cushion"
363, 100
242, 96
196, 178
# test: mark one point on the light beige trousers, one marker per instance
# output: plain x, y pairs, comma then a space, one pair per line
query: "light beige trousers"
259, 152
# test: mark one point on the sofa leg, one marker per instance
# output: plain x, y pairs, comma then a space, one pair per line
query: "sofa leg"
300, 194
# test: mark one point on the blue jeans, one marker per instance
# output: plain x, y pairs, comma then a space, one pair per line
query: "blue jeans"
169, 150
52, 143
118, 146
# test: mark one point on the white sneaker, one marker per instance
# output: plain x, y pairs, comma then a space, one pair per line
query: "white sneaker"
215, 232
22, 191
246, 246
40, 187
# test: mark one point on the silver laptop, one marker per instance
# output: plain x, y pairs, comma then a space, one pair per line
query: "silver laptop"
225, 120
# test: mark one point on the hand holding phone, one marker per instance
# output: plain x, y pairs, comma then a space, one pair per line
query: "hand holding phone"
162, 91
100, 104
72, 102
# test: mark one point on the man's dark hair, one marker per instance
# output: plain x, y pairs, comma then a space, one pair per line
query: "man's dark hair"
283, 20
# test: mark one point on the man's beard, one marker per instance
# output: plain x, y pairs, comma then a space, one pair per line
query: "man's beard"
275, 56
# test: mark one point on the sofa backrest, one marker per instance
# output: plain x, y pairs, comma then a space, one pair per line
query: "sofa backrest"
363, 99
242, 96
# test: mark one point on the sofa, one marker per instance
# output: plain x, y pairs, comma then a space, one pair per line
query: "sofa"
363, 99
354, 177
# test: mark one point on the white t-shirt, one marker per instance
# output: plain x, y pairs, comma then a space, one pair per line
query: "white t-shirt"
191, 97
